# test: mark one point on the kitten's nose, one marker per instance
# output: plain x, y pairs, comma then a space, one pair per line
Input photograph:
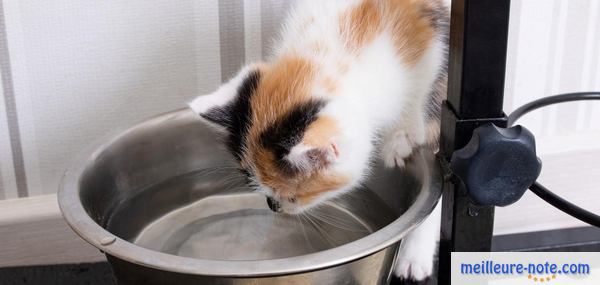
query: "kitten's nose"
274, 205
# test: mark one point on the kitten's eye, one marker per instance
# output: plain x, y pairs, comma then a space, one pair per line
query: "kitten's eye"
292, 199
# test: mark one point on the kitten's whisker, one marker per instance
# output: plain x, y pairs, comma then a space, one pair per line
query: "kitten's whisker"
338, 223
298, 219
326, 237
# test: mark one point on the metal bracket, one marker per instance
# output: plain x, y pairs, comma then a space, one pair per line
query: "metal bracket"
466, 226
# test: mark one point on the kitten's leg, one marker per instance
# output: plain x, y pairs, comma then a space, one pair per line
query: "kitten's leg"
396, 147
417, 250
400, 142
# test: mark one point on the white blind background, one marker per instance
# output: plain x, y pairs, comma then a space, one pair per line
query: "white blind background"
73, 71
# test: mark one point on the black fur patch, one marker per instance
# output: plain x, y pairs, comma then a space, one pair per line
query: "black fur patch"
236, 116
288, 131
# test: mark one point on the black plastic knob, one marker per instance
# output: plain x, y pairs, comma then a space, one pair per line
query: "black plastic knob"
497, 165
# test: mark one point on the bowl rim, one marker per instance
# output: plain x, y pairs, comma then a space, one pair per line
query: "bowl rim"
78, 219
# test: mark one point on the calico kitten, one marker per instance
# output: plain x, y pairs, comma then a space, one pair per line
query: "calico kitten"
348, 80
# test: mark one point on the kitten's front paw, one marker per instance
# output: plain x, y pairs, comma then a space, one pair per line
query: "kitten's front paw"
396, 150
413, 270
413, 265
418, 248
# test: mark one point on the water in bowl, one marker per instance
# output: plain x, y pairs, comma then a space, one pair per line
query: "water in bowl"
211, 215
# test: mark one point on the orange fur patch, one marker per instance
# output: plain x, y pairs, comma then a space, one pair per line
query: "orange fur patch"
361, 24
412, 32
319, 185
320, 132
304, 188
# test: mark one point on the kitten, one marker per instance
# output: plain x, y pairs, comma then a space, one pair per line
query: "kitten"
348, 80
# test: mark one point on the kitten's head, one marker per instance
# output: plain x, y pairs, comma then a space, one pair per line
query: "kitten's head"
275, 127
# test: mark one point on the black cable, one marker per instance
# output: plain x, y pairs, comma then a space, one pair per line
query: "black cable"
568, 97
539, 189
564, 205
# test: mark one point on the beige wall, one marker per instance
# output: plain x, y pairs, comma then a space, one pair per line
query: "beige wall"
74, 70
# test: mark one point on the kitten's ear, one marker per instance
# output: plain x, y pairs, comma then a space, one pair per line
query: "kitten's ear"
307, 158
224, 106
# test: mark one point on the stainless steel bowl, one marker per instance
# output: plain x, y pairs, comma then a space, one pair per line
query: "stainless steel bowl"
164, 202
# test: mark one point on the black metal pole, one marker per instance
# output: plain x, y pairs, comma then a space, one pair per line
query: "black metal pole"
476, 66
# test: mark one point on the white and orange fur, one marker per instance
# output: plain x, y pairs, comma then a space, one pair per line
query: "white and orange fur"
348, 81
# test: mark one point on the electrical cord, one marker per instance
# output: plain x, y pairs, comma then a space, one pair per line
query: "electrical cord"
539, 189
564, 205
543, 102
